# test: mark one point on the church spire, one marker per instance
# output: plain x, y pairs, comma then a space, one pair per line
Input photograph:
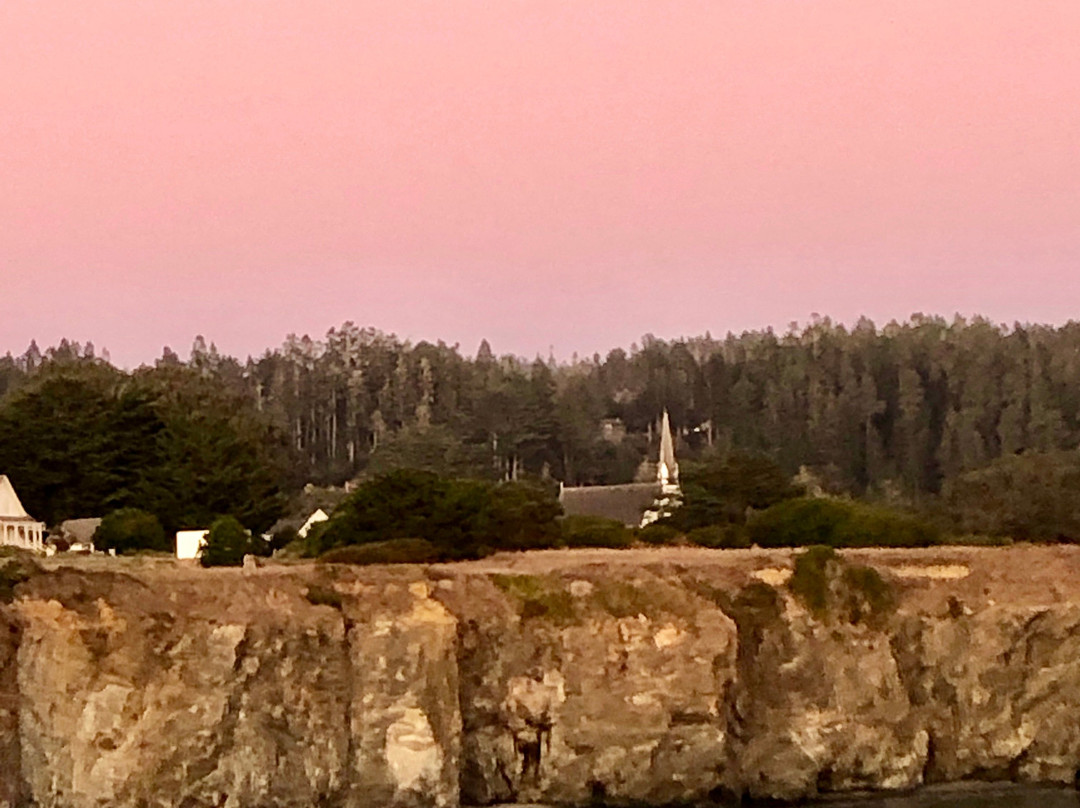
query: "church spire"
667, 470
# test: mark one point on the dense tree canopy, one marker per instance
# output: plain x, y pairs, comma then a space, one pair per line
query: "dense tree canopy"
227, 542
82, 439
76, 441
461, 518
723, 489
1033, 497
897, 413
129, 530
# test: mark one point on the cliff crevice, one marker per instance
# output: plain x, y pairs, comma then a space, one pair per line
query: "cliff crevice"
651, 683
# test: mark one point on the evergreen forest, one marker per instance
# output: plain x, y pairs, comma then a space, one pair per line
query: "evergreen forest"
964, 420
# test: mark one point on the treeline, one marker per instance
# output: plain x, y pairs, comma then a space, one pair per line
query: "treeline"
891, 412
83, 439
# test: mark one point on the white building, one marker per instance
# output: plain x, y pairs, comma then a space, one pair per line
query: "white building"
189, 543
17, 527
633, 504
314, 519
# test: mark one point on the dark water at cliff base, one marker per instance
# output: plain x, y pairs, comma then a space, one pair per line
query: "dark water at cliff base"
953, 795
964, 795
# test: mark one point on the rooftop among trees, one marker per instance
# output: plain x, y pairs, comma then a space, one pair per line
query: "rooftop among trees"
941, 416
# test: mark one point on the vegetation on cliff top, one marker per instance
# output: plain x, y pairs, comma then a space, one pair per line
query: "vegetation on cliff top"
16, 566
838, 523
227, 542
828, 585
459, 518
968, 422
129, 530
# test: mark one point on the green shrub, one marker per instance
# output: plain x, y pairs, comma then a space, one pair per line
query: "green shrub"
827, 584
658, 533
282, 538
227, 542
878, 526
810, 580
866, 594
16, 566
594, 531
323, 596
394, 551
538, 597
128, 530
463, 518
838, 523
798, 523
719, 536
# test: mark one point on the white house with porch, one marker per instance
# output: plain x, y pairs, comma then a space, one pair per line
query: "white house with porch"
17, 527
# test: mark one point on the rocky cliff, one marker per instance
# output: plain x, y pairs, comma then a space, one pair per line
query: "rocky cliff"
566, 678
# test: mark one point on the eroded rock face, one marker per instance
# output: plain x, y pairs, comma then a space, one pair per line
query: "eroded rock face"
126, 706
13, 788
126, 700
997, 690
404, 719
572, 692
819, 705
413, 687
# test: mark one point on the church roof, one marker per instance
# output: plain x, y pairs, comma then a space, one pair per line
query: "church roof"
10, 507
624, 503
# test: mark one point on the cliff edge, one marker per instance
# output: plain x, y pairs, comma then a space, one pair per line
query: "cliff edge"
658, 676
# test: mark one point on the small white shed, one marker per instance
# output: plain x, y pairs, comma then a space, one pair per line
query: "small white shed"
189, 543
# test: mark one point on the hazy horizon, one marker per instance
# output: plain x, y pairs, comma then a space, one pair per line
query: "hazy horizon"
795, 326
551, 176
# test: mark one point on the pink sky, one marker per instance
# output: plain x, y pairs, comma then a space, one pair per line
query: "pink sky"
570, 174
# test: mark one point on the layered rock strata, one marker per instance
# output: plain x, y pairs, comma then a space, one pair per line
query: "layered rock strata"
654, 682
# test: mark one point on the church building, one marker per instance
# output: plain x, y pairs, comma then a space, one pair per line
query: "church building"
633, 504
17, 527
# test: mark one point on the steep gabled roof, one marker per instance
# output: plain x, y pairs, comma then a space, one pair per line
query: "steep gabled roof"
625, 503
667, 451
314, 519
10, 507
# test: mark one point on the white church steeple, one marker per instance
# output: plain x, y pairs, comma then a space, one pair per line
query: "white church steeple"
667, 470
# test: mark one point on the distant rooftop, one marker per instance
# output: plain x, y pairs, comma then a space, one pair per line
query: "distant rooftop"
11, 509
80, 530
625, 503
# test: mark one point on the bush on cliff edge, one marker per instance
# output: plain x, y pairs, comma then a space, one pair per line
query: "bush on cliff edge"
461, 518
594, 531
828, 585
838, 523
394, 551
130, 529
227, 542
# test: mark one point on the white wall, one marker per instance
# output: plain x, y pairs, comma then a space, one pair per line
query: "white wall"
189, 543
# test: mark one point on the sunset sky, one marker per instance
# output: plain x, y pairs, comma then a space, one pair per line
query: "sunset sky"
549, 175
